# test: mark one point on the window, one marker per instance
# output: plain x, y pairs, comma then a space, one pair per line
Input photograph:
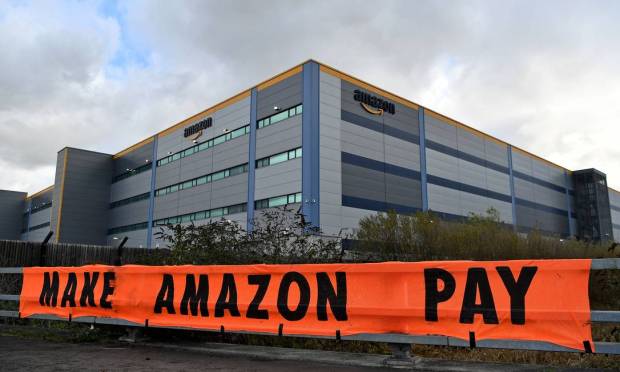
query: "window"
130, 200
131, 172
202, 215
204, 145
39, 207
277, 201
127, 228
36, 227
279, 158
239, 169
282, 115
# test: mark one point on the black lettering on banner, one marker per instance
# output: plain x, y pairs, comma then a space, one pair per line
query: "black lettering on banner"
517, 290
263, 283
337, 300
165, 297
433, 295
88, 290
304, 296
108, 289
478, 282
194, 296
49, 292
227, 300
69, 293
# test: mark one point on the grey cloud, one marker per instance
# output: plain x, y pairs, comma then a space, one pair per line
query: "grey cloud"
541, 75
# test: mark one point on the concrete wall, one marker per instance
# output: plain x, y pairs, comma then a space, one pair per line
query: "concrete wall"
11, 212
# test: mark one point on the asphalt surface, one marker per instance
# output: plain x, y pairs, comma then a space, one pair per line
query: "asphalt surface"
17, 354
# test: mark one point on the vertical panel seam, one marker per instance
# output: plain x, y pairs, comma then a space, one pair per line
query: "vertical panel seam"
251, 160
61, 194
512, 188
28, 222
310, 144
571, 228
149, 229
423, 177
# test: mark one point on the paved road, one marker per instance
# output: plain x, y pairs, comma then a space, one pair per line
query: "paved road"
17, 354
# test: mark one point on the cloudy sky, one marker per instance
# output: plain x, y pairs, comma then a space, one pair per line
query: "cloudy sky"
542, 75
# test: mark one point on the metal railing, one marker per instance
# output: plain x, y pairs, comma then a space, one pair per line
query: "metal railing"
399, 343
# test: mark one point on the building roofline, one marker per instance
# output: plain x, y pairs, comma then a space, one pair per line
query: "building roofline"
229, 101
337, 73
51, 187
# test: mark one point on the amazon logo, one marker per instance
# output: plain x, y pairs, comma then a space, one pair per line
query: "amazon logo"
195, 131
373, 104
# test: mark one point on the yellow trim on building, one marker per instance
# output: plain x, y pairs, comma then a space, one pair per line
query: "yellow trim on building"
536, 157
132, 148
40, 192
373, 88
279, 77
61, 195
458, 124
341, 75
236, 98
219, 106
209, 111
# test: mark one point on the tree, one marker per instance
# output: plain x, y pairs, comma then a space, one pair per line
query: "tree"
279, 235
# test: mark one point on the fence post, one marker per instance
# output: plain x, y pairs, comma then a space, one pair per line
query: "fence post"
401, 354
119, 252
43, 250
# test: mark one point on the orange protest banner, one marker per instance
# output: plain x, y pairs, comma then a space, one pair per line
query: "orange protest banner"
543, 300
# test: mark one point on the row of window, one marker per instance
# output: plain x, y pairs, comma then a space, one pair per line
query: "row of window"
277, 201
210, 213
134, 227
202, 215
279, 158
133, 199
282, 115
204, 145
212, 177
39, 207
36, 227
203, 180
132, 172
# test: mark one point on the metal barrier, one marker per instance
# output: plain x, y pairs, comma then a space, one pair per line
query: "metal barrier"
400, 344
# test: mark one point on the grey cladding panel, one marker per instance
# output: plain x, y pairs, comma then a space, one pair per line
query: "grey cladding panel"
86, 197
284, 94
129, 214
56, 191
363, 183
403, 191
231, 154
134, 159
279, 137
230, 191
536, 219
440, 132
11, 211
131, 186
231, 117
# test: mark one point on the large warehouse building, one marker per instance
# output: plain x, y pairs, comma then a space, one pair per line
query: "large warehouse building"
317, 138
